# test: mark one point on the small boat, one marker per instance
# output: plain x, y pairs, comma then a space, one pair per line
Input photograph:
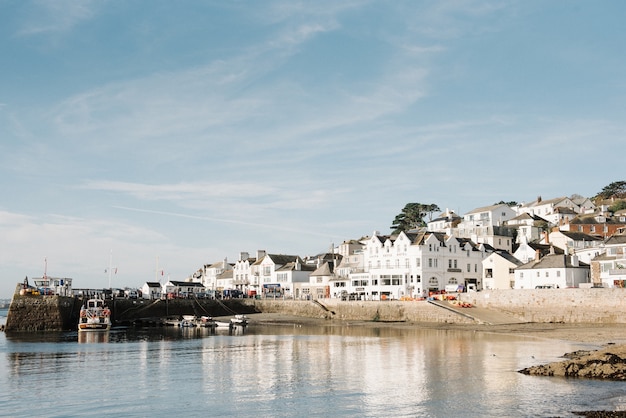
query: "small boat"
207, 322
94, 316
240, 320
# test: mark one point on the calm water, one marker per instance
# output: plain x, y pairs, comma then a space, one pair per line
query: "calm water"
285, 371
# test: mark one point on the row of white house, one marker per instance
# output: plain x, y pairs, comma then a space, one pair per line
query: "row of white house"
475, 252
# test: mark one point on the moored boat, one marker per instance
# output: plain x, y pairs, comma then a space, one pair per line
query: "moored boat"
240, 320
94, 316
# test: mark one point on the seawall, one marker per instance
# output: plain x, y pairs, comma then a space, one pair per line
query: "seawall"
388, 311
42, 313
607, 306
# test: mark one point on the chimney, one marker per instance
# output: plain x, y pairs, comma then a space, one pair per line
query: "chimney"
538, 199
551, 249
546, 237
537, 255
243, 256
575, 262
260, 254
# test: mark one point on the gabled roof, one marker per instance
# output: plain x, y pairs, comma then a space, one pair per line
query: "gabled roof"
545, 249
553, 261
564, 210
186, 284
279, 259
226, 274
488, 208
153, 284
541, 202
291, 266
580, 236
325, 269
616, 239
420, 237
508, 257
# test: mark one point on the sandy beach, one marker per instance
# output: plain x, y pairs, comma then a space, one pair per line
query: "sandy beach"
596, 334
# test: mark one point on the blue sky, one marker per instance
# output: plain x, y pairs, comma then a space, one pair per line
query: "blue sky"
177, 134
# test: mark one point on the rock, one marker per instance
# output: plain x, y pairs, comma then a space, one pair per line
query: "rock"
608, 363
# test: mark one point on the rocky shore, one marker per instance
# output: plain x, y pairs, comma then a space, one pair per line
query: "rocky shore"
606, 363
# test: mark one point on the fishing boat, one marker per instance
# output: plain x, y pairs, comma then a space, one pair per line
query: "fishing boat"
94, 316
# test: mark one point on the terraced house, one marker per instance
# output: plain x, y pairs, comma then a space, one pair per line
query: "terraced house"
410, 265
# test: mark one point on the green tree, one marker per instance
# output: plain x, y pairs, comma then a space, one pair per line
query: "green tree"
511, 203
616, 189
617, 206
412, 216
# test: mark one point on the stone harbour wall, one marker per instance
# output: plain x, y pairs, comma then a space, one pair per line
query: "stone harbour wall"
41, 313
388, 311
601, 305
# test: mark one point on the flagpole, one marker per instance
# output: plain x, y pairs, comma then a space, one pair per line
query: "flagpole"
110, 266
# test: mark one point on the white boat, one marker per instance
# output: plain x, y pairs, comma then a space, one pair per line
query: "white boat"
207, 322
94, 316
240, 320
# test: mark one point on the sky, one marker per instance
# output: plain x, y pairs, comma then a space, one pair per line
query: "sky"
155, 137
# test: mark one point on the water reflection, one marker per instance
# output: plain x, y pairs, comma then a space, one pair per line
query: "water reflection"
93, 337
273, 370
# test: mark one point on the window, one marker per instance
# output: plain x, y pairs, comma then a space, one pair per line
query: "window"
558, 273
454, 263
547, 274
469, 267
430, 262
418, 262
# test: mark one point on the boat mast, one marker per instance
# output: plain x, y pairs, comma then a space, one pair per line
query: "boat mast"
110, 266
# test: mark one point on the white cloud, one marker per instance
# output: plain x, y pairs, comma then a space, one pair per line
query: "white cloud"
58, 16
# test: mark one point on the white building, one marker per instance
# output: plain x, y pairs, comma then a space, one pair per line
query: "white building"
410, 265
499, 270
211, 272
281, 274
487, 225
609, 267
553, 270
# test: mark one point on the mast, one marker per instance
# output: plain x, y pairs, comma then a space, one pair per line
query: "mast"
110, 267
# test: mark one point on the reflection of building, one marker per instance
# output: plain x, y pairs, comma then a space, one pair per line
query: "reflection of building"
53, 285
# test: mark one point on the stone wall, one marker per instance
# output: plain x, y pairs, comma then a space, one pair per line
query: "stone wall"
599, 305
41, 313
388, 311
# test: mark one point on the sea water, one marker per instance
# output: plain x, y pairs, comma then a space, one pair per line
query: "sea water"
289, 371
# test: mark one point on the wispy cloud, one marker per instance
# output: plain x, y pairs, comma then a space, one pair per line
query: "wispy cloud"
46, 17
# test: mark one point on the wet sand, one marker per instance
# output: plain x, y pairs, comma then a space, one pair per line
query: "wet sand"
596, 334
